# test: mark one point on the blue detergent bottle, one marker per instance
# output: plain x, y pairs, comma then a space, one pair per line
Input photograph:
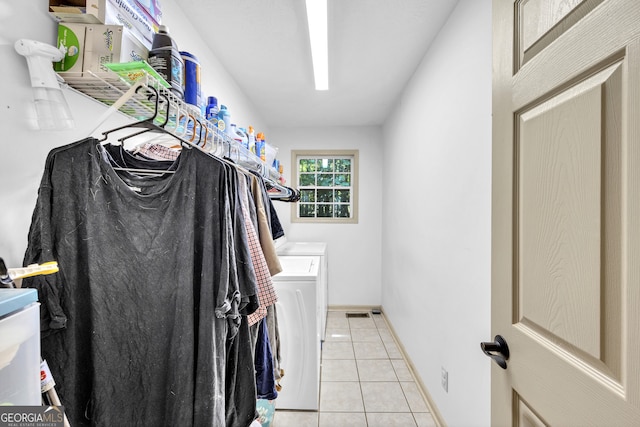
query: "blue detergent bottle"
224, 120
211, 112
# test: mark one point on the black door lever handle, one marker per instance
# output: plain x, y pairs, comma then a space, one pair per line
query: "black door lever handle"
498, 350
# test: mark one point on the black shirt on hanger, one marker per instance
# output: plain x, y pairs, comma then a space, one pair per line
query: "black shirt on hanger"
146, 285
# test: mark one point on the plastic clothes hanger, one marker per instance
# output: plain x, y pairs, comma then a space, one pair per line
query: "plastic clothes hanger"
149, 129
182, 130
283, 194
217, 142
201, 128
171, 124
147, 123
149, 126
183, 119
205, 142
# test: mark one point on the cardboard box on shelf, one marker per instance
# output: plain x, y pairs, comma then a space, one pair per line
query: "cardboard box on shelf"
129, 14
152, 7
117, 16
78, 11
90, 46
132, 49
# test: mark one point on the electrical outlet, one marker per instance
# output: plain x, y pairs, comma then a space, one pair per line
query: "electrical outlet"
444, 379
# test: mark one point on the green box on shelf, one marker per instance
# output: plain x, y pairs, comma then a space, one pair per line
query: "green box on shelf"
88, 46
131, 72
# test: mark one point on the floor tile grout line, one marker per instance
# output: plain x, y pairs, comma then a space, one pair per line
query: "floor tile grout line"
364, 407
389, 358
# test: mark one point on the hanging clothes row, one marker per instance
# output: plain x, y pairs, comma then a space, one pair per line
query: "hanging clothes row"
283, 193
162, 299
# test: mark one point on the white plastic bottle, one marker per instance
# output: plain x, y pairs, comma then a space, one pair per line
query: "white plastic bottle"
239, 136
252, 140
245, 137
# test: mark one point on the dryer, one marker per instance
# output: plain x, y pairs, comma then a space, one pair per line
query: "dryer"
298, 320
286, 248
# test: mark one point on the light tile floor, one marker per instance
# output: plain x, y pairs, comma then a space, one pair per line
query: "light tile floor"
365, 381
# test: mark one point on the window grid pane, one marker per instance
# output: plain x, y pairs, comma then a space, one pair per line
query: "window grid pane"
325, 165
307, 210
342, 211
325, 180
307, 165
307, 179
307, 195
325, 210
325, 187
342, 179
342, 196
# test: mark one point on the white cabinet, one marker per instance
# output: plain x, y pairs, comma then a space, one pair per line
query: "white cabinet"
19, 348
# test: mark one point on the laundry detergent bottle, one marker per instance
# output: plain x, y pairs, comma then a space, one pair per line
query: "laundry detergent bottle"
260, 148
252, 140
165, 58
238, 136
244, 137
224, 120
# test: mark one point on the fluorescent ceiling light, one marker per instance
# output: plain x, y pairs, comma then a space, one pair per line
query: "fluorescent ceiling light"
317, 20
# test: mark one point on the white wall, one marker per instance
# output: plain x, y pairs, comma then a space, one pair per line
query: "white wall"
354, 249
422, 245
23, 148
216, 81
436, 215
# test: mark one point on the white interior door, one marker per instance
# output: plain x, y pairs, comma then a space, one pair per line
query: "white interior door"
566, 212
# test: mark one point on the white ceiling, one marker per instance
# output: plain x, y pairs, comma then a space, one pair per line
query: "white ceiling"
374, 48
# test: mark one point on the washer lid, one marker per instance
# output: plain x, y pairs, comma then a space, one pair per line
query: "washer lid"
302, 248
298, 267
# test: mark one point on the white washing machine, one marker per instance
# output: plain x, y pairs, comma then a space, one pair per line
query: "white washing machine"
286, 248
298, 319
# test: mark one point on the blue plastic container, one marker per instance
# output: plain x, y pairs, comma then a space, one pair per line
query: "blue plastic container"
211, 113
192, 91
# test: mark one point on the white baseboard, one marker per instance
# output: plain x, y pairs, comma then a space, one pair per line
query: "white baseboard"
437, 416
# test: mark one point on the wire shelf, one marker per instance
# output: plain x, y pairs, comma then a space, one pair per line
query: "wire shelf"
109, 88
136, 100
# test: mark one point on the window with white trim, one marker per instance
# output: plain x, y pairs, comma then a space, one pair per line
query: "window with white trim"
327, 181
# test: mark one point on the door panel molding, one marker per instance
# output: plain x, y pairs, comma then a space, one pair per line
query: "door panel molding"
525, 416
601, 34
577, 357
571, 82
597, 331
552, 21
